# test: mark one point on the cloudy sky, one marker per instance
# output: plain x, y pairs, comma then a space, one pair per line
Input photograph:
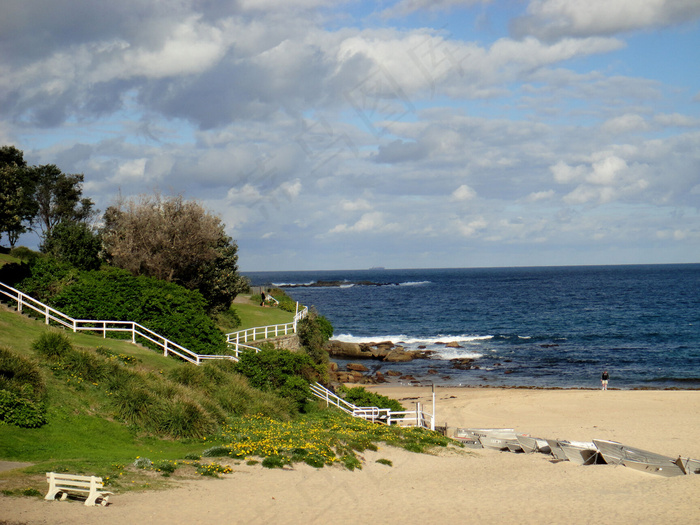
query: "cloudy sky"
405, 134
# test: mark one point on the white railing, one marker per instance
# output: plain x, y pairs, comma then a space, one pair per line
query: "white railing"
413, 418
92, 325
381, 415
263, 332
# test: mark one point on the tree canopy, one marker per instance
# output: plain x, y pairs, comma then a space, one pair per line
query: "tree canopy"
38, 196
17, 204
174, 240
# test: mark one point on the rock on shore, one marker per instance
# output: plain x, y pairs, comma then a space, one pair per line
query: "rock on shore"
383, 351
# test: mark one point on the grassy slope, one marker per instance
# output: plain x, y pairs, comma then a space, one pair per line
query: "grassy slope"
76, 439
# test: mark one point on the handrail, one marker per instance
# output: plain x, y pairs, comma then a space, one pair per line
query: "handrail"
374, 414
263, 332
169, 347
387, 416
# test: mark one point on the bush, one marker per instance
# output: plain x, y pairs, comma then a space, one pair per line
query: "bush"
74, 243
53, 346
280, 370
166, 308
21, 412
217, 451
20, 376
42, 277
361, 397
313, 337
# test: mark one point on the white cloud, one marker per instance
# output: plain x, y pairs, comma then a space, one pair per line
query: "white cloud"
540, 196
676, 120
355, 205
624, 124
557, 18
372, 221
463, 193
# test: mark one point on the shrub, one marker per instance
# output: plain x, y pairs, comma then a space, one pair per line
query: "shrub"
75, 243
20, 376
166, 308
279, 370
213, 469
216, 451
275, 462
184, 418
361, 397
85, 365
188, 375
23, 253
53, 346
21, 412
313, 338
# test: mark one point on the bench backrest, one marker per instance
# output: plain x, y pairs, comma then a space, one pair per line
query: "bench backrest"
73, 480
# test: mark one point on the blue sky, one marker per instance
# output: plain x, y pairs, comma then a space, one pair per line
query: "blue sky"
411, 133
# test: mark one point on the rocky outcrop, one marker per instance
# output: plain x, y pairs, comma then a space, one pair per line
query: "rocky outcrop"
382, 351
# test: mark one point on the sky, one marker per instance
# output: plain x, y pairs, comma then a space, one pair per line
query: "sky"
404, 134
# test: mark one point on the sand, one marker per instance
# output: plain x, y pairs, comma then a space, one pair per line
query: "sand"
457, 486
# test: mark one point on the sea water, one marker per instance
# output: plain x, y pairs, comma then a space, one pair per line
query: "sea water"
539, 327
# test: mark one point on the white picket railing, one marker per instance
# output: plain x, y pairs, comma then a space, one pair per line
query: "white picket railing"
416, 418
92, 325
382, 415
264, 332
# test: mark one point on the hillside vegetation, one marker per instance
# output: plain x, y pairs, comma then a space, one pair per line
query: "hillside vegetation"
81, 403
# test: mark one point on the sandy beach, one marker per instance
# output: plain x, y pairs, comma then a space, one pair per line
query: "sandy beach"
458, 486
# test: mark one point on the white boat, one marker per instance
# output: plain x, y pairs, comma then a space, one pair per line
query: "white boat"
556, 450
690, 466
616, 453
533, 444
495, 438
468, 439
581, 452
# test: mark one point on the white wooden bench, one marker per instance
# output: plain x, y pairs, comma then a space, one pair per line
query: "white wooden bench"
60, 485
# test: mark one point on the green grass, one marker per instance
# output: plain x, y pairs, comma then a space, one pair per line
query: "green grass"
252, 315
86, 435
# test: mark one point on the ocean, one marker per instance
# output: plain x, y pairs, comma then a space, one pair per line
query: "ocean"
551, 327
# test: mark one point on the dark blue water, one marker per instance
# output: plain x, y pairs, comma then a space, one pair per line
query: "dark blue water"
542, 327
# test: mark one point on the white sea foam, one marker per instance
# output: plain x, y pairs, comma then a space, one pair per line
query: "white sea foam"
281, 285
469, 345
410, 340
414, 283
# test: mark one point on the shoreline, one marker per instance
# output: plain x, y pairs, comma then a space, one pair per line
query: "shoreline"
464, 485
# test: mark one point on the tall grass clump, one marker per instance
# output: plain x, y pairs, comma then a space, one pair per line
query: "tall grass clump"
52, 346
22, 391
21, 375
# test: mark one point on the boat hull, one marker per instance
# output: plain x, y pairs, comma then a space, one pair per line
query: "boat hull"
616, 453
531, 444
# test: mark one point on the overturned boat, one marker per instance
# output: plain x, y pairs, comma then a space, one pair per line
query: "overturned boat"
616, 453
466, 438
497, 438
531, 444
581, 452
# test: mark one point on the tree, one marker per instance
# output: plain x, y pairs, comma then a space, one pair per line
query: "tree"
176, 241
17, 205
59, 197
74, 243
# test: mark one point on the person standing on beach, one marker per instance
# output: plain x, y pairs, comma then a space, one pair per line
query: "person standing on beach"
604, 380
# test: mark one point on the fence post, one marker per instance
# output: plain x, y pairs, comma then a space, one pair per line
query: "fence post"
165, 348
104, 330
133, 333
46, 312
19, 303
75, 326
